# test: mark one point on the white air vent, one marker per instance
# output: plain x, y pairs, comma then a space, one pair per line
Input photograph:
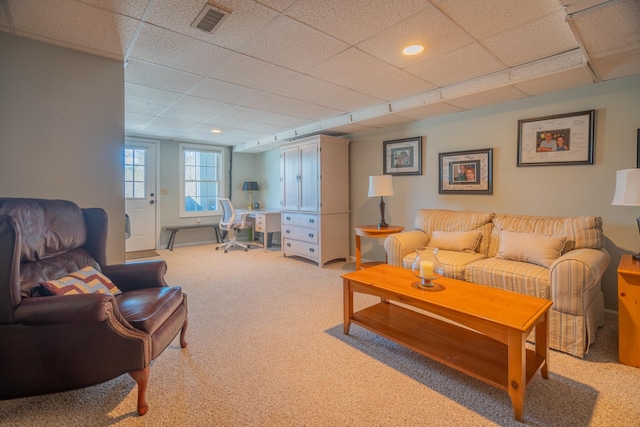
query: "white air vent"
210, 18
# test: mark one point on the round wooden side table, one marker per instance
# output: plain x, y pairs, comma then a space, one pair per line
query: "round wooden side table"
372, 231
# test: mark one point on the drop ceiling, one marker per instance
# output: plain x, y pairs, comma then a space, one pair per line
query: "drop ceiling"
276, 70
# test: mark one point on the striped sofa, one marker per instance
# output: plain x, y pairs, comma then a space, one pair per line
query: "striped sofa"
571, 279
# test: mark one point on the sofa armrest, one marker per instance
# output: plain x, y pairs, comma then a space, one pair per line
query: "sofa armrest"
63, 309
573, 275
398, 245
137, 275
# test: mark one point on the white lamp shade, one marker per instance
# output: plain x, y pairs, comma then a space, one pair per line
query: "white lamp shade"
627, 188
380, 185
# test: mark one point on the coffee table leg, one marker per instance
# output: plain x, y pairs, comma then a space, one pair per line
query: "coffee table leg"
348, 305
358, 253
517, 372
542, 344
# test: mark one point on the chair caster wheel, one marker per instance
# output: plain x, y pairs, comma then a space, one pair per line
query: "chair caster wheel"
217, 249
225, 251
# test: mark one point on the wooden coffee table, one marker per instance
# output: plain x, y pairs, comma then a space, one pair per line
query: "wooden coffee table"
490, 344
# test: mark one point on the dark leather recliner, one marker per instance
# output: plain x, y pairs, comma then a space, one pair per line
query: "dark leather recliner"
63, 342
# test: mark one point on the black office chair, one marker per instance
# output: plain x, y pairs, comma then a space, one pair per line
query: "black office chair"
231, 223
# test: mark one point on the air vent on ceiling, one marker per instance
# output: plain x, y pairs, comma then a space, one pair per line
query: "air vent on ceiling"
210, 18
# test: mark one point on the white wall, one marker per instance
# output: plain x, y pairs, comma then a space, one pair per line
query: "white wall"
62, 129
548, 190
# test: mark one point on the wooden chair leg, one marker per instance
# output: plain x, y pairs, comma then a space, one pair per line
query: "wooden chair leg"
141, 377
183, 342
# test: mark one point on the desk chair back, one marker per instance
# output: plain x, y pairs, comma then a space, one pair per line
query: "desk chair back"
231, 223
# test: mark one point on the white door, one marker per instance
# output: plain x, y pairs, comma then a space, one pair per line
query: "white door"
140, 194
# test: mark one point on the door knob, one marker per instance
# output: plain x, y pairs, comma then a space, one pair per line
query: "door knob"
152, 202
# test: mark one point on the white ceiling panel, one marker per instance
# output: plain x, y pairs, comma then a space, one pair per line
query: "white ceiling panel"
74, 23
350, 68
158, 77
451, 67
158, 46
537, 39
277, 69
291, 44
355, 20
429, 28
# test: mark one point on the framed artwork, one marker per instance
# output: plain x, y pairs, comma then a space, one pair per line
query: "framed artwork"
565, 139
638, 151
403, 156
466, 172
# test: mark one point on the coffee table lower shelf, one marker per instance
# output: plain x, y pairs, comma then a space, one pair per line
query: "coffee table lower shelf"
460, 348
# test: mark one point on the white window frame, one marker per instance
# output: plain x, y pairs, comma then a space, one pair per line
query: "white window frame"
222, 178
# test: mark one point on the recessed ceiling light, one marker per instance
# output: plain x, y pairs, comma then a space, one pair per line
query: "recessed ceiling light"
413, 49
216, 131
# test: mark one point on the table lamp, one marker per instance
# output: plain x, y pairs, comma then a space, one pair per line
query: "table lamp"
380, 186
250, 186
628, 192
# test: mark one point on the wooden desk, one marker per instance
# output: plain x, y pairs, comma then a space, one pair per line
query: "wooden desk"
371, 231
265, 222
629, 311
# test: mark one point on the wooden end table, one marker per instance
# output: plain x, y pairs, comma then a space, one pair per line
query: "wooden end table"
372, 231
629, 311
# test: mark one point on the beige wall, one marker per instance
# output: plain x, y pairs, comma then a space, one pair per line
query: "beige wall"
62, 129
548, 190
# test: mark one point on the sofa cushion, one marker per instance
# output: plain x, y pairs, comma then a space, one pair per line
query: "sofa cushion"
515, 276
430, 220
461, 241
530, 247
453, 263
85, 281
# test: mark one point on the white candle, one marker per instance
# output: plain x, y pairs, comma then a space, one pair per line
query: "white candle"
426, 269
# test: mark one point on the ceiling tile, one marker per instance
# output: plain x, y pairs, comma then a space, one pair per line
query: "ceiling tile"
555, 82
452, 67
187, 115
482, 19
292, 107
132, 8
384, 121
396, 85
173, 50
429, 28
74, 23
291, 44
247, 18
534, 40
223, 92
135, 107
250, 72
155, 76
489, 97
618, 65
174, 124
352, 128
223, 122
202, 105
279, 5
354, 20
595, 32
148, 94
350, 68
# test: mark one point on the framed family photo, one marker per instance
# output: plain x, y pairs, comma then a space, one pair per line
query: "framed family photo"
565, 139
466, 172
403, 156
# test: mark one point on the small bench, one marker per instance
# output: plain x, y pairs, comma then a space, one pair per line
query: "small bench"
175, 228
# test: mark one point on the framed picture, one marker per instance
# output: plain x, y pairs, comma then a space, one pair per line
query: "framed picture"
403, 156
565, 139
466, 172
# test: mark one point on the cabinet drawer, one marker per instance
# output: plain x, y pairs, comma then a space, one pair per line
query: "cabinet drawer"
308, 235
304, 220
304, 249
259, 224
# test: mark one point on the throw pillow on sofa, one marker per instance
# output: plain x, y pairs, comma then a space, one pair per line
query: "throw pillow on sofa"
85, 281
459, 241
533, 248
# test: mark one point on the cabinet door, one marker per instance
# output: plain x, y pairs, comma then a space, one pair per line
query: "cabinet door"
290, 175
310, 182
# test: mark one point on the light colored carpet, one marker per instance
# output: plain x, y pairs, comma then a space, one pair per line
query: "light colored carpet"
266, 349
141, 254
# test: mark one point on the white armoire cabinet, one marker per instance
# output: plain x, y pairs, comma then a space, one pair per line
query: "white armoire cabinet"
315, 198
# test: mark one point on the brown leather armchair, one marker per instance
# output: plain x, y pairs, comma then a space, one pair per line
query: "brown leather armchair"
63, 342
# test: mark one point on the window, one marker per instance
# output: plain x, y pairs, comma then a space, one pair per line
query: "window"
200, 180
134, 173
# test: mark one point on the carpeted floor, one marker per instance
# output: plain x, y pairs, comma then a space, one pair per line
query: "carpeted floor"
266, 349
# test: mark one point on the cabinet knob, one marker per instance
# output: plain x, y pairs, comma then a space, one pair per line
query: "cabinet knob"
288, 245
310, 234
288, 218
311, 221
311, 250
288, 231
